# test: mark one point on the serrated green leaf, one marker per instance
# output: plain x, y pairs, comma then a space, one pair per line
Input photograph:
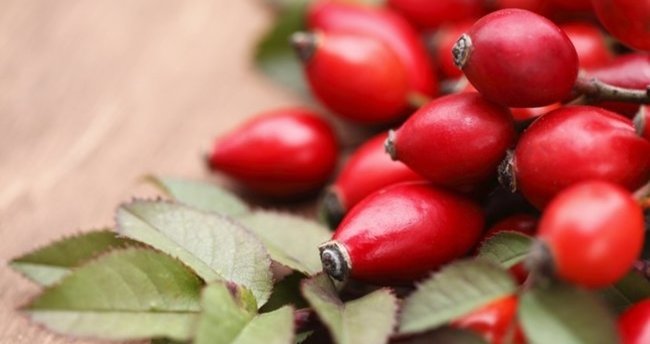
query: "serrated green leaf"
561, 313
286, 292
132, 293
455, 290
201, 195
291, 240
506, 248
224, 321
213, 245
49, 264
369, 319
629, 290
445, 335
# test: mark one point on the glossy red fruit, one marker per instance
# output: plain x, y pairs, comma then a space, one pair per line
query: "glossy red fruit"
540, 7
429, 14
383, 24
594, 233
368, 169
454, 140
628, 71
496, 322
572, 5
521, 223
634, 324
523, 114
589, 43
357, 77
399, 234
518, 58
444, 40
642, 122
627, 20
281, 153
574, 144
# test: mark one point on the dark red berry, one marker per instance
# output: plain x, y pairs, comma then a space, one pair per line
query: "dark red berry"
518, 58
429, 14
634, 324
572, 5
589, 43
368, 169
593, 232
540, 7
357, 77
385, 25
454, 140
521, 223
574, 144
523, 114
280, 153
400, 233
496, 322
642, 122
627, 20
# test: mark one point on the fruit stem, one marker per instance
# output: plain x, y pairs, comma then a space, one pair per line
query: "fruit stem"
539, 264
639, 121
389, 145
643, 195
595, 91
304, 43
417, 99
335, 259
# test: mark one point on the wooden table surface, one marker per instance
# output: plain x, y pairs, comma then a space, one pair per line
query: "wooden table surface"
94, 94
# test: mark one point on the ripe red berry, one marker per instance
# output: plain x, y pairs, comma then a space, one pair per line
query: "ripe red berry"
521, 223
540, 7
429, 14
589, 43
634, 324
518, 58
400, 233
627, 20
642, 122
385, 25
572, 5
281, 153
523, 114
574, 144
357, 77
444, 40
496, 322
368, 169
454, 140
593, 232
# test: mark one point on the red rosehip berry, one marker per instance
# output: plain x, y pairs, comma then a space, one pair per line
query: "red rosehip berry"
521, 223
444, 40
496, 322
428, 14
518, 58
281, 153
455, 140
523, 114
368, 169
593, 232
385, 25
642, 122
540, 7
627, 20
634, 324
574, 144
400, 233
357, 77
589, 43
572, 5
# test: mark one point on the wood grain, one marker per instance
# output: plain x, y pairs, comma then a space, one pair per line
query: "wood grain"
94, 94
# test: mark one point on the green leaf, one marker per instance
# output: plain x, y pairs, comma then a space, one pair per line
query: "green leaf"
132, 293
446, 335
369, 319
213, 245
225, 321
291, 240
48, 265
561, 313
201, 195
506, 248
286, 292
629, 290
454, 291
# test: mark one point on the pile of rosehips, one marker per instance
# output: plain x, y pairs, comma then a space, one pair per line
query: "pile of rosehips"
534, 94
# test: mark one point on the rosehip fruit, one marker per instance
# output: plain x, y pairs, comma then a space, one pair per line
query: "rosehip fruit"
281, 153
386, 26
524, 114
368, 169
573, 144
627, 20
593, 232
642, 122
589, 43
518, 58
444, 41
496, 322
429, 14
521, 223
540, 7
455, 140
634, 324
400, 233
572, 5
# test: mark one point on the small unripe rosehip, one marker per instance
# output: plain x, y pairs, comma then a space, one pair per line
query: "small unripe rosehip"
589, 42
385, 25
454, 140
593, 233
642, 122
627, 20
634, 324
518, 58
574, 144
429, 14
281, 153
368, 169
496, 322
401, 233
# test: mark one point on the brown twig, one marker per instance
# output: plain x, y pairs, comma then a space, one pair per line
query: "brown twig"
595, 91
